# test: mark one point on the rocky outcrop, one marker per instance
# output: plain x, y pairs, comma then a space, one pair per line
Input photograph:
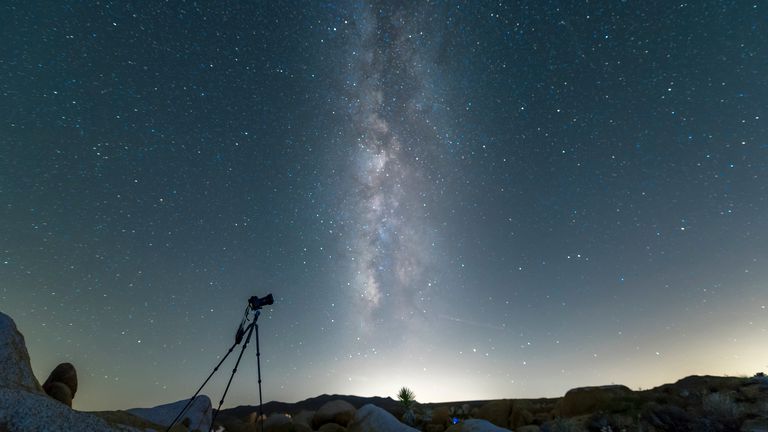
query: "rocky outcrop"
585, 400
441, 416
15, 369
198, 415
371, 418
338, 411
497, 412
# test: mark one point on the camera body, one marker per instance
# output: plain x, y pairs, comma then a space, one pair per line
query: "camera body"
257, 303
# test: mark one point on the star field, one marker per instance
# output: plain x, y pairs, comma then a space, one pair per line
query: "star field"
472, 199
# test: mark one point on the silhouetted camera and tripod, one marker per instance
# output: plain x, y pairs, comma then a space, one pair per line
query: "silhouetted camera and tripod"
254, 306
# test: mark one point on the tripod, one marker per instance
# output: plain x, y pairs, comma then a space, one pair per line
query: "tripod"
254, 305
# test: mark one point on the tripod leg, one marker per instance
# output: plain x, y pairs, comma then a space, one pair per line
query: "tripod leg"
242, 350
258, 368
183, 410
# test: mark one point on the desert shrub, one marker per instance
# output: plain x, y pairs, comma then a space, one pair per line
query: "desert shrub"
406, 397
407, 400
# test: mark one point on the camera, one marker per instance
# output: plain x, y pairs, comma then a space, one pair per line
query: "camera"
257, 303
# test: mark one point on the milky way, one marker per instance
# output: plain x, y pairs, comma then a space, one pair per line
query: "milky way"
390, 263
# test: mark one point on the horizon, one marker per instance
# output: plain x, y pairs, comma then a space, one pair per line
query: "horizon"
472, 200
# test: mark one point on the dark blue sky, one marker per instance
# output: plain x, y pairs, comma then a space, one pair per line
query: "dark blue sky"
472, 199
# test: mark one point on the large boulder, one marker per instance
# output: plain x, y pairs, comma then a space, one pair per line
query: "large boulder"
520, 417
62, 383
441, 416
337, 411
199, 413
497, 412
304, 417
476, 425
370, 418
15, 369
585, 400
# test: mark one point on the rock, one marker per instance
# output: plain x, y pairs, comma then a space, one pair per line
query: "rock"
64, 373
304, 417
370, 418
60, 392
585, 400
520, 417
338, 411
15, 369
668, 418
332, 427
62, 383
476, 425
25, 411
130, 422
496, 412
199, 413
702, 385
281, 423
529, 428
441, 416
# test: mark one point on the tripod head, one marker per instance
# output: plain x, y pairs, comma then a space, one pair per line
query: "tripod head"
257, 303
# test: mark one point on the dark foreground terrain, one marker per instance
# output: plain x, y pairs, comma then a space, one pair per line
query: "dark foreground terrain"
695, 403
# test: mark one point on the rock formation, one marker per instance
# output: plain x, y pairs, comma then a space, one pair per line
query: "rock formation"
199, 413
371, 418
62, 383
15, 369
337, 411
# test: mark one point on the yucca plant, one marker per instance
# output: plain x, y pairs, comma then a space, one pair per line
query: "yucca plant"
406, 397
407, 400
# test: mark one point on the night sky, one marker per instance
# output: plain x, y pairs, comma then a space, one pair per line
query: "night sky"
475, 200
